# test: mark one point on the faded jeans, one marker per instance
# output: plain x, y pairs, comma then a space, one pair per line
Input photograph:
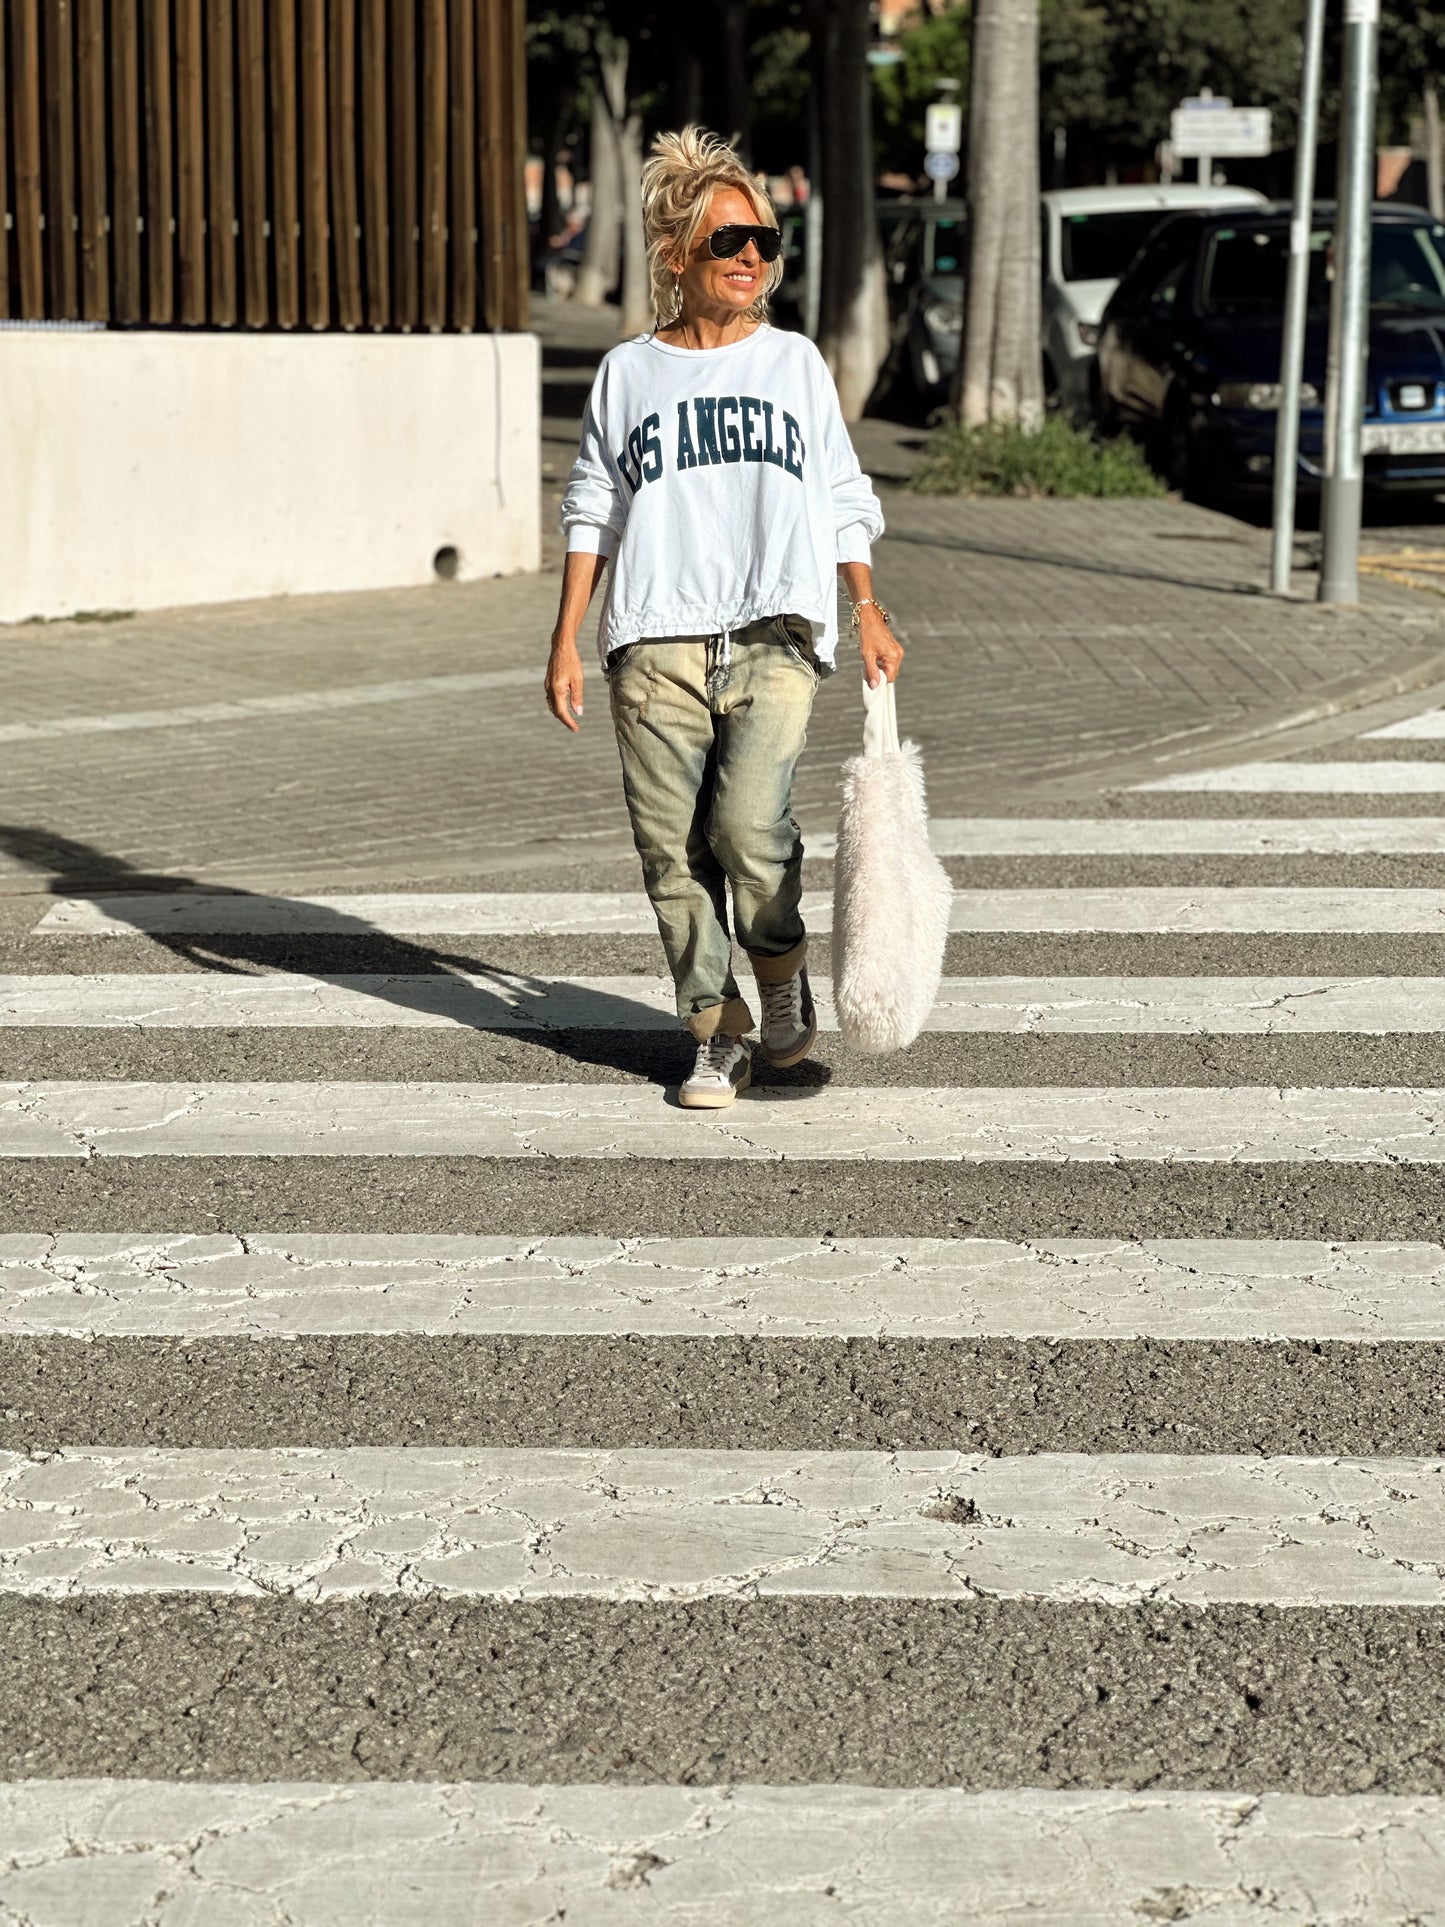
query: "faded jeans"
710, 733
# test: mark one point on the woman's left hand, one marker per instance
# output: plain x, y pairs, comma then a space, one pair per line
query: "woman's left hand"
880, 649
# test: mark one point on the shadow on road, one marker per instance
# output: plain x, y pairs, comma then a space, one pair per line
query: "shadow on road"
608, 1033
614, 1032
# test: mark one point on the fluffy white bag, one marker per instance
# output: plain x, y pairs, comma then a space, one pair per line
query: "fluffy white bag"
891, 895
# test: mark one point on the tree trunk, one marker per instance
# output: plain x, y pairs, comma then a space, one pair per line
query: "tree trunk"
686, 83
597, 275
626, 141
736, 93
989, 156
636, 282
1000, 373
853, 317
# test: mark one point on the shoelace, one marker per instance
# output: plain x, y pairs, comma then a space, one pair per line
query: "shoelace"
713, 1054
782, 1003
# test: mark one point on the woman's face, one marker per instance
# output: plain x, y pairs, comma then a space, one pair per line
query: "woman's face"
708, 285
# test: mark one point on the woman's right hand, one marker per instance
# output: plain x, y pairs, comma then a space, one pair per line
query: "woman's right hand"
564, 683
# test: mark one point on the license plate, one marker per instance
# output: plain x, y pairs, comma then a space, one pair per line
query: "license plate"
1404, 438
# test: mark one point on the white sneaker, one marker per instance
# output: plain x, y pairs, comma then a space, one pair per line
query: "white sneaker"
724, 1067
789, 1023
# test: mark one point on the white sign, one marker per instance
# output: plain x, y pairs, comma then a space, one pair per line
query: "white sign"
1219, 129
943, 127
940, 167
1361, 13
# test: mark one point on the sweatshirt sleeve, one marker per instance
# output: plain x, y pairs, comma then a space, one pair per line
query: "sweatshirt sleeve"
857, 512
593, 508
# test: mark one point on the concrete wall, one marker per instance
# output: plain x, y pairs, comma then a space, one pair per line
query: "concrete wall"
145, 470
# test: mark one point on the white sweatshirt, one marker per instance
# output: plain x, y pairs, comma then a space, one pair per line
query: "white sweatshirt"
721, 485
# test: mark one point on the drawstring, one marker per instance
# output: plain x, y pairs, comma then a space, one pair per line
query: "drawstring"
720, 656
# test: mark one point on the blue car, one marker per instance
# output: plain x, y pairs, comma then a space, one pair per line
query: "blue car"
1189, 350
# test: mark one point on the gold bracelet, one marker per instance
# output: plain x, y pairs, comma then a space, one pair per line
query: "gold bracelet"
869, 602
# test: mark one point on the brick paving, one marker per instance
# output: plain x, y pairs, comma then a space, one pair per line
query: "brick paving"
1050, 645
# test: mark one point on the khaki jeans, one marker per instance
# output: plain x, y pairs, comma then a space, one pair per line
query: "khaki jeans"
710, 736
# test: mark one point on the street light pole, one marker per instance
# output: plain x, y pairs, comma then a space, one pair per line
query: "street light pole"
1344, 487
1291, 371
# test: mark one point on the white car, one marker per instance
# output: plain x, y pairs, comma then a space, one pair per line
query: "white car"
1090, 235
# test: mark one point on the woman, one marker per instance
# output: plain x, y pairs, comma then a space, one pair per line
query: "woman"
717, 485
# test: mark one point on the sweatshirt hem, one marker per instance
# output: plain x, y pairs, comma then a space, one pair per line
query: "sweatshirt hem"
619, 633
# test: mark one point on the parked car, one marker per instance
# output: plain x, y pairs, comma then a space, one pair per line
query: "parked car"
1189, 350
1089, 236
924, 254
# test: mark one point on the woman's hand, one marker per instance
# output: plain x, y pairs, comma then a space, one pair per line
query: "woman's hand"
564, 682
880, 649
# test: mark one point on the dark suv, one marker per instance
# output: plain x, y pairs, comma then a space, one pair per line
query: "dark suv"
1189, 349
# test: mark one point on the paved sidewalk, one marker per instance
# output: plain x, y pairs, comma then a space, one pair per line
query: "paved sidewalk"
401, 736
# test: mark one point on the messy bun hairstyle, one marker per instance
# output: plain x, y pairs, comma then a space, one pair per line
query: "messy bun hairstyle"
678, 181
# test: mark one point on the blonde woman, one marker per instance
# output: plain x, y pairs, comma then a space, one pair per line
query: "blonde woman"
717, 486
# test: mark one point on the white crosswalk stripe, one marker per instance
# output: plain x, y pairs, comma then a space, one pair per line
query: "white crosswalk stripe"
1177, 836
975, 1124
1427, 727
657, 1525
1078, 1479
1025, 1006
275, 1285
1308, 779
748, 1855
1151, 909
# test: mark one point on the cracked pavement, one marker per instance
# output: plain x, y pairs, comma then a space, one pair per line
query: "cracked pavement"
558, 1121
679, 1526
442, 1482
350, 1856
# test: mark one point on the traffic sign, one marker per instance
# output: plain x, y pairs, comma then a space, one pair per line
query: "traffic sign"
943, 129
1219, 129
940, 167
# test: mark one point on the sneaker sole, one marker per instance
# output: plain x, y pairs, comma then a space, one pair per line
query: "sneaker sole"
795, 1055
713, 1100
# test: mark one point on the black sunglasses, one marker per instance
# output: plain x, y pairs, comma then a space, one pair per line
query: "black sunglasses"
724, 242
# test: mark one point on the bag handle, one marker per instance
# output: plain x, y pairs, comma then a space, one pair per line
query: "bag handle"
880, 720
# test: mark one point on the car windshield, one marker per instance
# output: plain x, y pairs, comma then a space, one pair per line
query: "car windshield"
1098, 247
1245, 268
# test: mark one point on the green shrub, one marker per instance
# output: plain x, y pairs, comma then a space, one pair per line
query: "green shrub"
1058, 460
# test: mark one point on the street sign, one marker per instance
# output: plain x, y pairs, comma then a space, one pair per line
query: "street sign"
1220, 130
940, 167
943, 129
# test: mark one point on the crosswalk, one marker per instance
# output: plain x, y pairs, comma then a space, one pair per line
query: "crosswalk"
440, 1479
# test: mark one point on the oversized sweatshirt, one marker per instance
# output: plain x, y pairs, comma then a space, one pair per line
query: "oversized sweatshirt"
721, 486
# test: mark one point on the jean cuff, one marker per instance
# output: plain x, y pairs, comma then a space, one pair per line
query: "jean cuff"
777, 970
732, 1018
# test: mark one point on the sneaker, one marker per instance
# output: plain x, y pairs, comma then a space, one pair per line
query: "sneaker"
724, 1067
789, 1025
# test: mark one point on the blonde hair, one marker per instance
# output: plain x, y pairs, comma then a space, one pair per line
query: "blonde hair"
678, 183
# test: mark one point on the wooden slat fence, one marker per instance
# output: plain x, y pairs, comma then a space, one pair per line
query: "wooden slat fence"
315, 164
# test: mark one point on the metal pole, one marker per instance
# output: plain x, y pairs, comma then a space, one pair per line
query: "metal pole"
1291, 367
1344, 488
